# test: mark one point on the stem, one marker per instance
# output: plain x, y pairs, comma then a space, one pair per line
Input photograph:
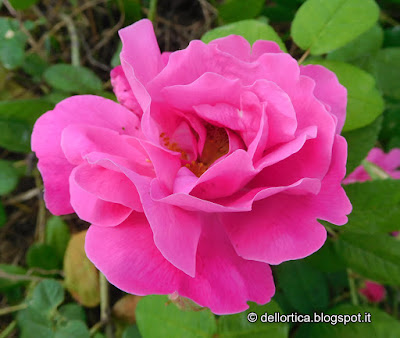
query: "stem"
152, 10
105, 304
385, 17
15, 277
304, 56
11, 309
96, 327
376, 172
353, 290
41, 215
10, 328
75, 59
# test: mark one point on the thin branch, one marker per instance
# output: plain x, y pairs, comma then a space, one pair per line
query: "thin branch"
25, 196
304, 56
353, 290
105, 304
9, 329
10, 309
75, 58
19, 278
152, 11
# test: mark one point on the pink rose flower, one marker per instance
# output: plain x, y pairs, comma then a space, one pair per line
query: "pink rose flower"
218, 163
389, 162
374, 292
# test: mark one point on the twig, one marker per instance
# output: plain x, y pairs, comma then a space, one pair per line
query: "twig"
304, 56
105, 304
41, 216
92, 60
353, 290
389, 19
75, 59
11, 309
25, 196
96, 327
152, 11
108, 35
19, 278
61, 24
9, 329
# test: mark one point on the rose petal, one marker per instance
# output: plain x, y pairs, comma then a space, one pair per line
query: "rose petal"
328, 90
224, 282
91, 208
46, 140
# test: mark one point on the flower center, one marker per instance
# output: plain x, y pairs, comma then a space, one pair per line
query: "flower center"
216, 145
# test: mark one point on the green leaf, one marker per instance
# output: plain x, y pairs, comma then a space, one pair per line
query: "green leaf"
392, 37
34, 65
3, 215
115, 61
304, 287
42, 256
75, 329
131, 331
13, 270
376, 206
8, 177
251, 30
57, 235
73, 79
365, 45
323, 26
236, 10
375, 256
390, 124
47, 296
326, 259
360, 142
11, 53
365, 103
34, 323
239, 326
12, 43
23, 4
156, 317
382, 325
386, 69
72, 311
132, 10
16, 122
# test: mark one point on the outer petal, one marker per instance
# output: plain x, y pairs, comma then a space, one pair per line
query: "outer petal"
46, 141
140, 50
224, 282
329, 91
273, 232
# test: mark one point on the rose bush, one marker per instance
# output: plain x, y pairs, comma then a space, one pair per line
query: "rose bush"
218, 162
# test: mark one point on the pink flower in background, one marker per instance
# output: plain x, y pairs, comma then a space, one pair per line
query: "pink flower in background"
218, 162
374, 292
389, 162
